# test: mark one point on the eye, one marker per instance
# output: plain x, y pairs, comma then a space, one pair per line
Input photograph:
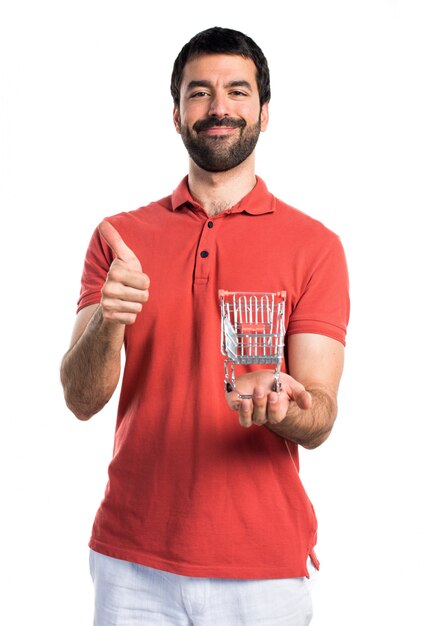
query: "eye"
238, 93
198, 94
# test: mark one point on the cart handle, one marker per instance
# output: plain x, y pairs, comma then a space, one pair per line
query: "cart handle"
223, 292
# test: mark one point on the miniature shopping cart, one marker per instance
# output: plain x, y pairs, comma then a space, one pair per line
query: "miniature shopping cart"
252, 331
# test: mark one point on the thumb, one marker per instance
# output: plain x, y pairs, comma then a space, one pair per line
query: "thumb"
297, 392
116, 243
303, 400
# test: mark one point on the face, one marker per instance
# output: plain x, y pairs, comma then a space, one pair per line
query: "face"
219, 117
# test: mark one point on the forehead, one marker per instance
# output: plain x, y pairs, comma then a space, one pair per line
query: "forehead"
219, 69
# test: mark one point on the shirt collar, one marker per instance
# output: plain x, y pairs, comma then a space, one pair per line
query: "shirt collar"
257, 202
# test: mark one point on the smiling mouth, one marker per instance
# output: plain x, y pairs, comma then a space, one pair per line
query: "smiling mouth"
219, 130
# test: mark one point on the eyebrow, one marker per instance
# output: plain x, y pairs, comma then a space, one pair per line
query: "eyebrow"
206, 83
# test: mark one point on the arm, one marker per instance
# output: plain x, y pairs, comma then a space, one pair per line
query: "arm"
306, 408
90, 369
315, 361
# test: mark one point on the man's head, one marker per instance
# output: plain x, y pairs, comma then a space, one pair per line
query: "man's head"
220, 86
222, 41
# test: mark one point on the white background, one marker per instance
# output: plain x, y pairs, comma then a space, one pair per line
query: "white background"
86, 131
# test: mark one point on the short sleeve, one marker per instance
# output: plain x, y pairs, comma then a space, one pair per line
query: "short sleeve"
95, 269
323, 307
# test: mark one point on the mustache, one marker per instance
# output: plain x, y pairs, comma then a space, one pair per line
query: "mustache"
211, 122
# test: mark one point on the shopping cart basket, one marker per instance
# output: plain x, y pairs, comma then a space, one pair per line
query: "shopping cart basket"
252, 331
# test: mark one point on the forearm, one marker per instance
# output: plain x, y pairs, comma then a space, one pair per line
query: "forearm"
90, 370
308, 427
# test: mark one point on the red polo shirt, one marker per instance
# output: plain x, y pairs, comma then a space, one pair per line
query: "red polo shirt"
190, 491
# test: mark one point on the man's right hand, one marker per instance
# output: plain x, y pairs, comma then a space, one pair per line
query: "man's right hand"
126, 288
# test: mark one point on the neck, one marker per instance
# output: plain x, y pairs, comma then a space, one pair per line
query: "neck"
219, 191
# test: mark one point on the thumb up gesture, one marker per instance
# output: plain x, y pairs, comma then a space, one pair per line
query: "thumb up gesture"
126, 287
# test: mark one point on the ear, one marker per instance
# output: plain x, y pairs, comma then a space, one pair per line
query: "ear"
176, 118
264, 116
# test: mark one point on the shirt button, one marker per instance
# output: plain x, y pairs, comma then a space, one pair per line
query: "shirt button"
210, 224
204, 254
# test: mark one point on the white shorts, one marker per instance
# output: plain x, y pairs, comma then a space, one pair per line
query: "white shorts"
127, 594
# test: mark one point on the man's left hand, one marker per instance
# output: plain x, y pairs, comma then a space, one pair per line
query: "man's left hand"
266, 406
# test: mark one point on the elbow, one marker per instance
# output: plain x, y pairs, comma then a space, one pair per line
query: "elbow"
315, 442
74, 396
84, 408
83, 413
318, 437
81, 407
82, 416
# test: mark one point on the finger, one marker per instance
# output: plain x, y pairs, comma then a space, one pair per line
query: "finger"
120, 316
116, 243
121, 279
111, 307
297, 392
259, 406
119, 294
245, 413
233, 400
116, 291
277, 407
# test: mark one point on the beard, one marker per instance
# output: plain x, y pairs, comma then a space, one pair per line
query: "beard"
220, 153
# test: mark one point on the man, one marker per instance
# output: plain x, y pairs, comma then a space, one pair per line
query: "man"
205, 520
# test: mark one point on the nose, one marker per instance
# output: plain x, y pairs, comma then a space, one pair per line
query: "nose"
218, 106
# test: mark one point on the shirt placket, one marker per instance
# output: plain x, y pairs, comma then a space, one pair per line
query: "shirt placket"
205, 252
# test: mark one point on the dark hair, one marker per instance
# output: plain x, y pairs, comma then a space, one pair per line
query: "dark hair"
222, 41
